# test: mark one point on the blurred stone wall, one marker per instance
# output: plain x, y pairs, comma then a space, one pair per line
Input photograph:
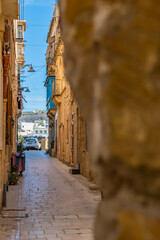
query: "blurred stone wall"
112, 58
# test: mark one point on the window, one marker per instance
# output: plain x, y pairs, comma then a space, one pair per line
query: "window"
30, 140
20, 27
41, 131
45, 131
20, 31
20, 34
36, 131
20, 52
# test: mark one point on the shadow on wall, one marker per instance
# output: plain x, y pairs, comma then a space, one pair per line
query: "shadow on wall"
112, 62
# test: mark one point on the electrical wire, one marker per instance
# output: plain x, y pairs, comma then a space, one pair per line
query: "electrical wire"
20, 9
38, 66
36, 71
23, 9
37, 91
37, 25
31, 45
34, 109
33, 85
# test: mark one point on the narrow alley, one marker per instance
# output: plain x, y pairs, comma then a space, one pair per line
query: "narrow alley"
49, 203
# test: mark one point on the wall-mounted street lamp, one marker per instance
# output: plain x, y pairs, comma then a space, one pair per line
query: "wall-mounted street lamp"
31, 69
28, 65
26, 89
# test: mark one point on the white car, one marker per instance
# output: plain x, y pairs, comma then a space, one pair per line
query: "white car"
31, 144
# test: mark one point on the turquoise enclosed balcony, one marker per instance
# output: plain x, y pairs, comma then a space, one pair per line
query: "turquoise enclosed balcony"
51, 107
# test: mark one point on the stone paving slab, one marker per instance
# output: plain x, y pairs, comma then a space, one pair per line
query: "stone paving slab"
59, 206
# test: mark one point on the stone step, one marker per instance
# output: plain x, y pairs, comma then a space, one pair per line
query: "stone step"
74, 171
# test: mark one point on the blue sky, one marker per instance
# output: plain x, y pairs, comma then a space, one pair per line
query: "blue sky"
38, 14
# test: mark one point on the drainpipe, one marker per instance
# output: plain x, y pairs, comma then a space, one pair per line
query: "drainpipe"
78, 141
4, 203
5, 74
6, 57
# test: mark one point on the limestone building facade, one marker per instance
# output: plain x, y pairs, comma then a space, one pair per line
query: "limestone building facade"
9, 85
69, 128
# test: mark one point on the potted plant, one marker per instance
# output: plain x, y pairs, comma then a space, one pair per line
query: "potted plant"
13, 178
14, 169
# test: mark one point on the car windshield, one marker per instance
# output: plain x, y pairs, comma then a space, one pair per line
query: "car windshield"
30, 140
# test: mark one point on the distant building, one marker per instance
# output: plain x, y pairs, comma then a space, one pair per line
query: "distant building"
33, 116
39, 129
25, 129
33, 124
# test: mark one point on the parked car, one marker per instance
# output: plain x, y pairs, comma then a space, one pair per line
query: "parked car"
31, 144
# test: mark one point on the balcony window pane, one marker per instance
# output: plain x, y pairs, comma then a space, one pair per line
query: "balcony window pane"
20, 34
20, 27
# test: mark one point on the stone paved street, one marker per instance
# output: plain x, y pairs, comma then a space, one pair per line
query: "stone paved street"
49, 203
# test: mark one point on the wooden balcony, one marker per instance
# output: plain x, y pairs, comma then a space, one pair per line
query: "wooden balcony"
51, 113
56, 91
56, 87
50, 67
20, 58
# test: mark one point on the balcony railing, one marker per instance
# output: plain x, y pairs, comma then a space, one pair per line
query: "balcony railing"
49, 62
56, 87
20, 56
